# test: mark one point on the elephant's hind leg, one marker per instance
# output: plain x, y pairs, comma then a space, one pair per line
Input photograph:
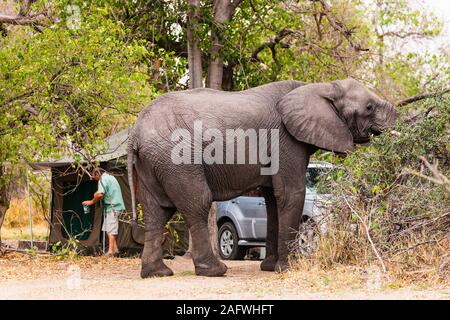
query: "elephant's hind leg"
205, 262
271, 258
195, 206
152, 256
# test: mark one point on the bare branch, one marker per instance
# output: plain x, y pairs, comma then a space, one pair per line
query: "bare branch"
30, 20
25, 7
271, 44
422, 96
235, 3
368, 235
438, 177
402, 35
339, 26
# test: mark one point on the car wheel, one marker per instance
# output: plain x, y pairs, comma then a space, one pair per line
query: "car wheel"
228, 243
307, 238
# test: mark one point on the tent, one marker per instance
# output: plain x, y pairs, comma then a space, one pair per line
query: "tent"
69, 187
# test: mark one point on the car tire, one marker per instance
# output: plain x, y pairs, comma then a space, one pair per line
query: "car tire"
228, 243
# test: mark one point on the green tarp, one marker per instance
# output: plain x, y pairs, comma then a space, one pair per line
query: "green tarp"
77, 224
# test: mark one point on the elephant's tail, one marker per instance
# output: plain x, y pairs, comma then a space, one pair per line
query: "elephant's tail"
131, 176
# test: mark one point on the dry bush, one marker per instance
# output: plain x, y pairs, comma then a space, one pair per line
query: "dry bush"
17, 223
17, 215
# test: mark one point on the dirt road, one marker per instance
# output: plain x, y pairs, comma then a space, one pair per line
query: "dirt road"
100, 278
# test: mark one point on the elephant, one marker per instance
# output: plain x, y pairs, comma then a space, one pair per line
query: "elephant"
331, 116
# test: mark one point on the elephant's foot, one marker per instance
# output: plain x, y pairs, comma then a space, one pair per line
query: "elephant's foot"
281, 266
269, 263
216, 270
158, 270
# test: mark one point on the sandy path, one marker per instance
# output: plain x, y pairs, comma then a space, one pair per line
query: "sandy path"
101, 278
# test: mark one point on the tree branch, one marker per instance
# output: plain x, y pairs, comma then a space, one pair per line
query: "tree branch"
29, 20
339, 26
235, 3
368, 236
402, 35
422, 96
271, 44
25, 7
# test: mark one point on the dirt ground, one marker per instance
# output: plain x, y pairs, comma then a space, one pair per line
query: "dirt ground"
43, 277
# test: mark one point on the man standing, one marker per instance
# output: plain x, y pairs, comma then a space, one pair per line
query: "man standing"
113, 205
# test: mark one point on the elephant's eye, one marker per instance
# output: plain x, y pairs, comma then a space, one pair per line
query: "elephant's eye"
369, 107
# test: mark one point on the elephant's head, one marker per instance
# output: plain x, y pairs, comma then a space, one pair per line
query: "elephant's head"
334, 116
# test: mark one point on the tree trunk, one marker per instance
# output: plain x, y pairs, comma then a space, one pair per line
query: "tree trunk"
227, 77
4, 202
194, 63
212, 227
223, 11
3, 209
194, 52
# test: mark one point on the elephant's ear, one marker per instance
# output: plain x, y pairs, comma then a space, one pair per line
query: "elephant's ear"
309, 115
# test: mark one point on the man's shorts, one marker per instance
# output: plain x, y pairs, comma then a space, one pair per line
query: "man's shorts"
111, 222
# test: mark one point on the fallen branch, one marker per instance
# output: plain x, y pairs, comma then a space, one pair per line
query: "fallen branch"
417, 245
420, 225
6, 248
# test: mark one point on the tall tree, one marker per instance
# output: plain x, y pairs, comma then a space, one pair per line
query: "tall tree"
194, 51
223, 11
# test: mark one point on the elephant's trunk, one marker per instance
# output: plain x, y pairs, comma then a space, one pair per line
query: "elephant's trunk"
385, 118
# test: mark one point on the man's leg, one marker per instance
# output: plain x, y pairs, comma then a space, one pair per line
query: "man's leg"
112, 235
112, 248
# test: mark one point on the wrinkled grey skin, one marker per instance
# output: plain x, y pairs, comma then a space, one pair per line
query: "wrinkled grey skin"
331, 116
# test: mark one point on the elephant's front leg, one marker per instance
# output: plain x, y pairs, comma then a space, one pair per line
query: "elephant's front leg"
289, 215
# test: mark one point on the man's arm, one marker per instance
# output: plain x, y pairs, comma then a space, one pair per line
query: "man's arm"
97, 197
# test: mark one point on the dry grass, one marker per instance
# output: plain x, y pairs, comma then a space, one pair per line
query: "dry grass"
17, 225
428, 264
310, 276
40, 232
306, 273
346, 258
45, 277
20, 266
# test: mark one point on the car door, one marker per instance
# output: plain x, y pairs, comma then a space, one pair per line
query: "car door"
255, 216
310, 198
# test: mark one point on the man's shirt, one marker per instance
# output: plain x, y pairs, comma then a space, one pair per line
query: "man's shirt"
112, 194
